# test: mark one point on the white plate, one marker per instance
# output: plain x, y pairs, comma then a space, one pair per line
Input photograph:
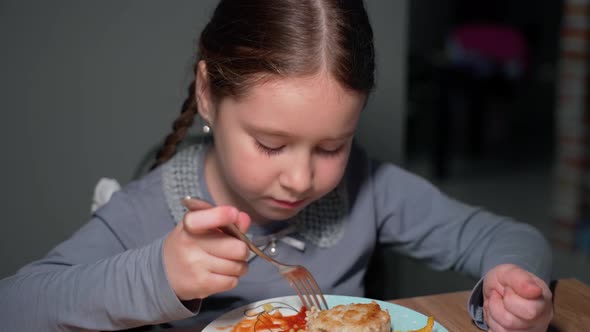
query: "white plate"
402, 318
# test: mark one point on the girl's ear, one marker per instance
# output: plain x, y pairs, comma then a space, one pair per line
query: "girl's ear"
205, 103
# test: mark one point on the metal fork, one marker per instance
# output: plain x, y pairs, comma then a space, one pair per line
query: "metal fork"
299, 277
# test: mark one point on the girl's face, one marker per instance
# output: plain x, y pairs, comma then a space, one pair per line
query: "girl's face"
282, 146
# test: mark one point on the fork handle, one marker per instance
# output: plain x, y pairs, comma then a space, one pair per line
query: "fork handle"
231, 229
234, 231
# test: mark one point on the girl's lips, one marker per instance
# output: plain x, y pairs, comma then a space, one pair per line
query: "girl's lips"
288, 204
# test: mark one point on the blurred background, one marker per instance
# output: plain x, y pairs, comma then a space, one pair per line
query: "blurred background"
470, 96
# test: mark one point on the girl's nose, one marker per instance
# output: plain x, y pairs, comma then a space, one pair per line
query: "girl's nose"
297, 176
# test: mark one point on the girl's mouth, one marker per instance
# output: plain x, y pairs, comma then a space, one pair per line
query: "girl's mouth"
287, 204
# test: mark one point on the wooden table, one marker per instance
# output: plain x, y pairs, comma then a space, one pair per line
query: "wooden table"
571, 300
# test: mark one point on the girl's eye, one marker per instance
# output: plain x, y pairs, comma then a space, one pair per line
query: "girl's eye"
270, 151
330, 152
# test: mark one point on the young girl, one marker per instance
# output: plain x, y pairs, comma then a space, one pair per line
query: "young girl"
280, 85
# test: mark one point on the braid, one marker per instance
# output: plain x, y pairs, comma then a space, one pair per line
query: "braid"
180, 127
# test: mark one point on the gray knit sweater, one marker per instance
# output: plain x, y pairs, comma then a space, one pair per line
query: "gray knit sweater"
109, 275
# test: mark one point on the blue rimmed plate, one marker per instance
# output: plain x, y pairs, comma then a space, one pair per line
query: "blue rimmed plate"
402, 318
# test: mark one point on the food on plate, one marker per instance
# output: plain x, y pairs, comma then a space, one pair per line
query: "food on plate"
269, 318
354, 317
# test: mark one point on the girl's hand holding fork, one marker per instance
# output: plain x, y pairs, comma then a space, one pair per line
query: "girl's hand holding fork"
199, 259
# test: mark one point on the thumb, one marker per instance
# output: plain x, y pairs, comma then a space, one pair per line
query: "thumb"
521, 282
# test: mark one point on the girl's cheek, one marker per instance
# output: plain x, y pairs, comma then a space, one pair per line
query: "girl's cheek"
329, 175
255, 174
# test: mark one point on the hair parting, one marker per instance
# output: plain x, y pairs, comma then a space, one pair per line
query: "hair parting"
247, 42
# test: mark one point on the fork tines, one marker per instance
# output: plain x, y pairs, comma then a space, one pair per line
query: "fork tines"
307, 288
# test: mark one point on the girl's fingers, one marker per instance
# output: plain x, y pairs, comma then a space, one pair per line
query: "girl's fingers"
494, 326
544, 287
516, 300
199, 222
521, 281
195, 273
218, 283
491, 283
490, 321
525, 309
501, 316
209, 283
226, 267
199, 258
220, 245
202, 215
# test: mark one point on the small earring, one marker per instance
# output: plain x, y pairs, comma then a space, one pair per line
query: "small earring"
206, 129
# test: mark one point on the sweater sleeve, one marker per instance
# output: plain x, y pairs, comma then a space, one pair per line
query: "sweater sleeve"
418, 220
91, 282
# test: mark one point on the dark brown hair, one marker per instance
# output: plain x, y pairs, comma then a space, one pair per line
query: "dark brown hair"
247, 41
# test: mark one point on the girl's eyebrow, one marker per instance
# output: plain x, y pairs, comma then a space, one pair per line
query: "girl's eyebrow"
344, 136
284, 134
270, 132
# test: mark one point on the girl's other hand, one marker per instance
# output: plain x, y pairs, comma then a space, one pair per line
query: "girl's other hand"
199, 259
516, 300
